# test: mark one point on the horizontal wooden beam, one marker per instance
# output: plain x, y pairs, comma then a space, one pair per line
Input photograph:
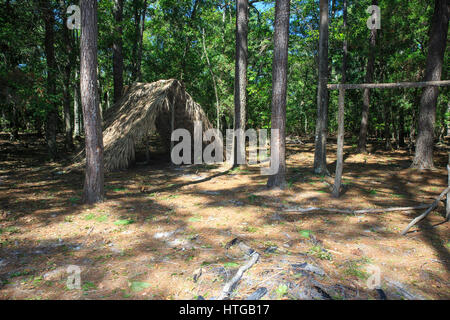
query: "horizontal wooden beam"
349, 86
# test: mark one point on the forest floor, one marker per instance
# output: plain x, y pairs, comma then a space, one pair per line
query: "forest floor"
160, 225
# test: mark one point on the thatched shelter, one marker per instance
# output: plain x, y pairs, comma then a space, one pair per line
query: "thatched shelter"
145, 109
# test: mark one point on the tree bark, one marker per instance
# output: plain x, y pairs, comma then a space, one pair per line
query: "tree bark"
134, 53
49, 48
423, 158
188, 40
320, 153
387, 123
68, 129
340, 145
77, 112
213, 77
76, 107
240, 77
94, 178
279, 90
141, 42
366, 96
447, 120
117, 51
341, 113
401, 127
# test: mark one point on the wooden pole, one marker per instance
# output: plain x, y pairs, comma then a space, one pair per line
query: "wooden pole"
349, 86
447, 208
340, 144
359, 211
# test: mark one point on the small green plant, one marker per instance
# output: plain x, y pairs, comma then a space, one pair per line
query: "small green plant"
355, 268
250, 229
88, 286
137, 286
20, 273
281, 290
102, 218
37, 280
320, 253
195, 219
74, 200
172, 196
89, 216
231, 265
124, 222
305, 233
12, 230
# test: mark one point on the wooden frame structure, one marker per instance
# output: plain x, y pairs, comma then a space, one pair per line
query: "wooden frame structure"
341, 117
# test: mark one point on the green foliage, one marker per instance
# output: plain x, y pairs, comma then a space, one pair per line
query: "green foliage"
305, 233
320, 253
137, 286
355, 268
172, 48
123, 222
281, 291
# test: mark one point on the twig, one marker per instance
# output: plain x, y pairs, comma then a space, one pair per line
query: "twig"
271, 277
431, 208
228, 288
254, 256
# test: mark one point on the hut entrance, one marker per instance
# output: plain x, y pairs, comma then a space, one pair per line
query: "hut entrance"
152, 150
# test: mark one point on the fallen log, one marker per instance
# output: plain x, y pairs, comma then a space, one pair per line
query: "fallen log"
431, 208
360, 211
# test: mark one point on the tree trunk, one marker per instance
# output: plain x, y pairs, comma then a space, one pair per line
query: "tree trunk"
137, 31
240, 77
94, 179
188, 40
340, 145
345, 44
341, 113
279, 90
387, 124
401, 127
117, 51
141, 43
213, 77
320, 153
366, 96
423, 158
68, 129
49, 45
76, 108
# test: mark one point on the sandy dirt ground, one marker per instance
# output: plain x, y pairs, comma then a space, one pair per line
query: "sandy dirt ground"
162, 231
